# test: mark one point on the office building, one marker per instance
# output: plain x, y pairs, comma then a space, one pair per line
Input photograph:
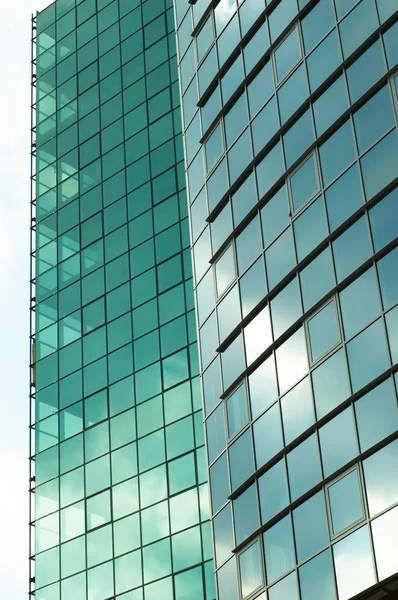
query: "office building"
290, 128
287, 139
120, 500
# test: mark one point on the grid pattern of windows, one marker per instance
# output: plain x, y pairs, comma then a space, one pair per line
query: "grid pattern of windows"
290, 115
120, 496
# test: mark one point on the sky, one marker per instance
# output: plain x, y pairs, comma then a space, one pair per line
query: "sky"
15, 52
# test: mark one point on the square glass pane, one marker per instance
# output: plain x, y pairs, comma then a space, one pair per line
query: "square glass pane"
251, 572
268, 438
385, 534
291, 360
323, 331
279, 549
345, 501
304, 183
338, 440
287, 54
297, 410
365, 366
237, 410
273, 491
354, 564
317, 578
381, 478
310, 526
304, 467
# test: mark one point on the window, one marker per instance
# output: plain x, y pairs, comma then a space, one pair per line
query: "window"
258, 335
263, 387
356, 574
225, 270
279, 549
323, 331
310, 229
376, 415
273, 491
304, 183
310, 526
246, 514
268, 438
214, 147
237, 410
291, 360
344, 197
250, 566
380, 472
338, 441
287, 54
365, 366
317, 578
304, 467
317, 23
241, 459
297, 410
385, 532
360, 303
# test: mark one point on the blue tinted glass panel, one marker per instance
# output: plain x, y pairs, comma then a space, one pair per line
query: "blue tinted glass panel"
227, 581
275, 216
392, 331
286, 308
216, 433
237, 413
260, 89
304, 467
297, 410
310, 229
279, 549
304, 183
293, 93
255, 48
298, 138
219, 483
233, 361
331, 383
357, 26
265, 125
241, 461
356, 574
384, 220
381, 478
317, 23
281, 17
269, 169
337, 152
317, 578
387, 270
236, 120
239, 156
251, 572
246, 514
248, 245
317, 279
280, 258
267, 432
390, 40
214, 148
287, 54
323, 331
360, 303
379, 165
252, 286
344, 197
286, 588
273, 491
223, 535
310, 526
374, 119
330, 105
351, 249
376, 415
263, 387
244, 199
365, 71
323, 60
365, 366
291, 360
338, 442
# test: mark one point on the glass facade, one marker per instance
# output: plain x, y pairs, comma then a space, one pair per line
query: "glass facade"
118, 469
291, 146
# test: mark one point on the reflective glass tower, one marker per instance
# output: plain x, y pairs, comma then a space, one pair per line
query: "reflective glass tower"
291, 148
118, 468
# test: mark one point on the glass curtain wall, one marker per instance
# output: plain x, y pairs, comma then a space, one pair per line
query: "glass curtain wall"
120, 502
291, 147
